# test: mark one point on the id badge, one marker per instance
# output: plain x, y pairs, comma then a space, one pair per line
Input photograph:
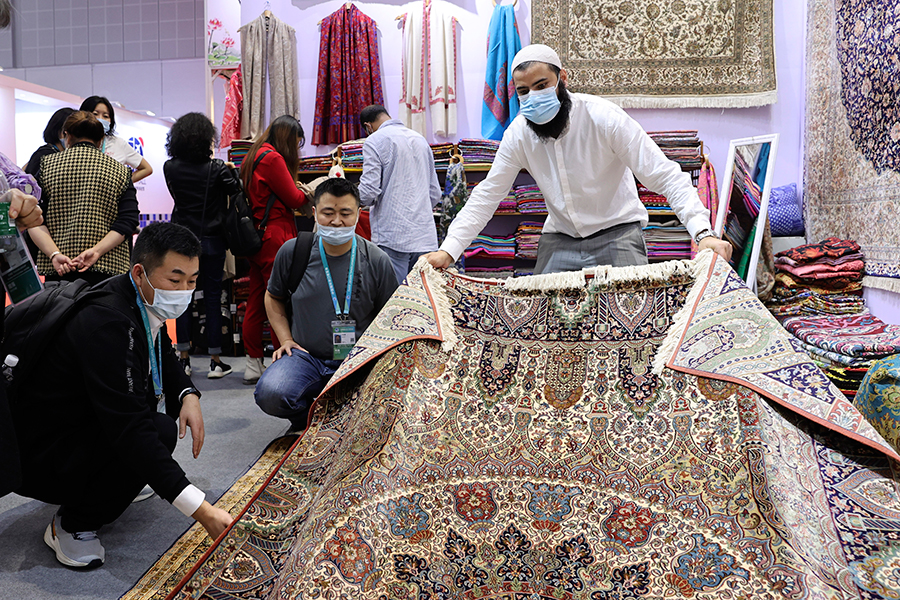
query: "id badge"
344, 336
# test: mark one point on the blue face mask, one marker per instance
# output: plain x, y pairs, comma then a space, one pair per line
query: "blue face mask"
336, 235
539, 106
105, 124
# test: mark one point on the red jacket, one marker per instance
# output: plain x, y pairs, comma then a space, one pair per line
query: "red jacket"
272, 176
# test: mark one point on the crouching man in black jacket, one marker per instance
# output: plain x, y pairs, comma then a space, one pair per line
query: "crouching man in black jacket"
103, 425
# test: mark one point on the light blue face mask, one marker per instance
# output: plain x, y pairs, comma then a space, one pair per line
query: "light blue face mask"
105, 124
336, 235
539, 106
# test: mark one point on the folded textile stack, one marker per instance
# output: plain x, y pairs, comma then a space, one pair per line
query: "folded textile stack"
667, 241
315, 163
529, 199
851, 340
238, 151
478, 151
681, 146
507, 205
490, 272
351, 154
492, 247
441, 155
528, 234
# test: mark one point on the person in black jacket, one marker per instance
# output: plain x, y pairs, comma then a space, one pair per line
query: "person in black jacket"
200, 187
92, 435
54, 140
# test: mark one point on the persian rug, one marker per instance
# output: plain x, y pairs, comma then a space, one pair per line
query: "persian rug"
650, 54
641, 432
878, 398
858, 336
852, 156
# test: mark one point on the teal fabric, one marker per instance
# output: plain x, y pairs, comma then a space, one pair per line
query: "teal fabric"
878, 398
501, 105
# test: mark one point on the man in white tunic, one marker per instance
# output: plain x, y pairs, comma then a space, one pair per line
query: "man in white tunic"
584, 153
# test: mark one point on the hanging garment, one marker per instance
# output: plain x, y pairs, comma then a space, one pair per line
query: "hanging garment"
234, 107
501, 104
707, 190
268, 51
429, 69
349, 75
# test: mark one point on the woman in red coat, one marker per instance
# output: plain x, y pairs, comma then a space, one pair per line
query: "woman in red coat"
275, 174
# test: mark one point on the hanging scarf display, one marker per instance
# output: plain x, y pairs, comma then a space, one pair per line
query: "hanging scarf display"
429, 68
349, 75
234, 107
501, 104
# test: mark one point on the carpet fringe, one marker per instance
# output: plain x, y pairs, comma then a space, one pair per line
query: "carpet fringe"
442, 303
606, 275
544, 283
670, 345
888, 284
742, 101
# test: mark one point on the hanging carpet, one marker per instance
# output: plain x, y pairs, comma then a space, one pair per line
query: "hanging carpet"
650, 54
852, 158
641, 432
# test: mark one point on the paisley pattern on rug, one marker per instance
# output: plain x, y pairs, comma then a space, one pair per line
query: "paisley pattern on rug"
412, 484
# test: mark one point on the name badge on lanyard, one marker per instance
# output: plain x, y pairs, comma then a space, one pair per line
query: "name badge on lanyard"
343, 330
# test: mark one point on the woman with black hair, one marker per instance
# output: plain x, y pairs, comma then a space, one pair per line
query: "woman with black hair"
200, 187
112, 145
270, 171
53, 140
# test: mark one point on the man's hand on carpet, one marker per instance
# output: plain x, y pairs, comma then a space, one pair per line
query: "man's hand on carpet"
440, 259
286, 349
720, 247
214, 520
191, 416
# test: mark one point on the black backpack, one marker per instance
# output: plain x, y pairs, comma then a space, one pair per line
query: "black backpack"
243, 236
30, 326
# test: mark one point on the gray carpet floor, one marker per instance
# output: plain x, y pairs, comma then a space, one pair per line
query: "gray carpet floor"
237, 433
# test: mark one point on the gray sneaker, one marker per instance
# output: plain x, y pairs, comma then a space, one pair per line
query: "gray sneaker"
79, 549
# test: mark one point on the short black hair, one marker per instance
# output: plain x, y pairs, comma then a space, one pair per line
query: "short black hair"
158, 239
530, 63
91, 102
5, 13
337, 187
55, 125
371, 113
191, 138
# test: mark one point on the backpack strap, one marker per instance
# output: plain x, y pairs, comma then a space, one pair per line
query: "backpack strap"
271, 202
302, 250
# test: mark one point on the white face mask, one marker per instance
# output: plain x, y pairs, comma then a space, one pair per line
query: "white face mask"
336, 235
167, 304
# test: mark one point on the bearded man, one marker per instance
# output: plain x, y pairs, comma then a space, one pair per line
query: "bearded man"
584, 153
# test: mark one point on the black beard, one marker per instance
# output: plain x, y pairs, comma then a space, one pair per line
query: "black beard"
557, 125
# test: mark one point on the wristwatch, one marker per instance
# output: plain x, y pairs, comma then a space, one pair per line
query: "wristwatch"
705, 234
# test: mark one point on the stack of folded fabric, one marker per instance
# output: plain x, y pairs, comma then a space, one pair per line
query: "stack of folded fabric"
529, 199
238, 151
315, 163
490, 272
478, 151
528, 234
507, 205
492, 247
351, 154
667, 241
441, 155
681, 146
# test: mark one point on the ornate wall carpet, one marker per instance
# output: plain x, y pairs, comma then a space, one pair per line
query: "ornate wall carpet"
644, 432
852, 165
654, 54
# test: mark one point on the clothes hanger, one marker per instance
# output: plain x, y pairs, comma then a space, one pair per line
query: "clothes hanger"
494, 2
268, 13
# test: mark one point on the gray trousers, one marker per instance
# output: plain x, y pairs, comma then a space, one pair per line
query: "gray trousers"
619, 246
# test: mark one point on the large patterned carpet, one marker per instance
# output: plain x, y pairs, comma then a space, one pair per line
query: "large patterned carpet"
852, 158
673, 54
645, 432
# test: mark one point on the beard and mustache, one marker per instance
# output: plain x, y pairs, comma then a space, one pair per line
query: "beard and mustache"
555, 127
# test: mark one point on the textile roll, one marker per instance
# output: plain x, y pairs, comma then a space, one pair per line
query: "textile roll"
612, 433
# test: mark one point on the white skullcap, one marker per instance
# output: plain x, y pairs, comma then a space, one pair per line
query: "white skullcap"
538, 52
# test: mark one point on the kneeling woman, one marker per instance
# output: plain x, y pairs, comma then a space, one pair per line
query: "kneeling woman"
90, 207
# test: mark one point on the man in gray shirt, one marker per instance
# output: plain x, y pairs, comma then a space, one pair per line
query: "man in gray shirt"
326, 318
400, 184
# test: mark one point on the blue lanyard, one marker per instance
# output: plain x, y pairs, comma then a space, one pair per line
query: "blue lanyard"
334, 299
154, 363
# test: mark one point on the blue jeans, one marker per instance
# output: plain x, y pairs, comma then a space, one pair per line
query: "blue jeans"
212, 261
288, 387
403, 261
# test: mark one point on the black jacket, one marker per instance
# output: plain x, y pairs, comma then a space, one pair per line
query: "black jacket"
187, 185
95, 398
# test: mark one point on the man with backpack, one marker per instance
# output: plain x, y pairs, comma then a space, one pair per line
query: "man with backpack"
324, 292
103, 425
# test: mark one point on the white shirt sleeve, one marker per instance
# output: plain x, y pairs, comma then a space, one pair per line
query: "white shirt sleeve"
485, 199
370, 181
659, 174
119, 149
189, 500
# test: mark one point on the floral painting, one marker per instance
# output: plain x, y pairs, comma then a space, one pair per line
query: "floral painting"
222, 48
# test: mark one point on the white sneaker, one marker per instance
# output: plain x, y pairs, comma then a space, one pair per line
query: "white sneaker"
145, 493
253, 371
79, 549
217, 370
